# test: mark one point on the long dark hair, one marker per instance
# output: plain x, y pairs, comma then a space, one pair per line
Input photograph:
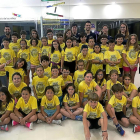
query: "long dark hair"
24, 67
69, 38
8, 96
53, 49
33, 30
96, 79
69, 85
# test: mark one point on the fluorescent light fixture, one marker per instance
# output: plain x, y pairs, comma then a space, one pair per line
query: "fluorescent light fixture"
80, 4
113, 3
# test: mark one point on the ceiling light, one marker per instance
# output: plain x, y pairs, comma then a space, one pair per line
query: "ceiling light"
113, 3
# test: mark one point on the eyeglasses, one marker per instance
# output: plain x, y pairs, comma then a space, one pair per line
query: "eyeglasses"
100, 74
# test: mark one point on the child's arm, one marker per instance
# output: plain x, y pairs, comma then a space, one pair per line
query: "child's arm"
14, 61
34, 92
136, 113
17, 113
81, 95
56, 113
97, 61
108, 94
117, 62
124, 110
98, 91
103, 89
25, 79
5, 115
86, 127
125, 60
39, 57
125, 94
87, 65
133, 94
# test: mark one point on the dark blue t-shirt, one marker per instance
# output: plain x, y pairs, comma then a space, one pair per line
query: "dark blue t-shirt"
1, 37
91, 34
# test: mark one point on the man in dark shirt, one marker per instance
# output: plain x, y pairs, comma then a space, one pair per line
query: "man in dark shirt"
74, 32
88, 31
7, 34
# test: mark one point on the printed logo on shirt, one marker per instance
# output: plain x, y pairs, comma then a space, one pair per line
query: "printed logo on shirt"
103, 50
15, 49
120, 52
56, 87
69, 56
26, 110
55, 58
34, 52
88, 92
44, 52
71, 103
50, 106
17, 94
47, 74
40, 87
92, 115
118, 107
3, 109
24, 55
85, 62
132, 54
7, 56
113, 58
97, 58
80, 78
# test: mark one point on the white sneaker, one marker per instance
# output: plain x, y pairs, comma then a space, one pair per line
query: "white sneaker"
58, 122
39, 121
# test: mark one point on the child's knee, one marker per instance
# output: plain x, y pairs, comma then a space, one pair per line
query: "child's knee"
12, 115
62, 110
39, 115
34, 117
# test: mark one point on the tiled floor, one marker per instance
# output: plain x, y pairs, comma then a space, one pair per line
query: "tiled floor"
69, 130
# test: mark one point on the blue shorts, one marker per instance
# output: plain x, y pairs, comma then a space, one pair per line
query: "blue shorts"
50, 112
84, 99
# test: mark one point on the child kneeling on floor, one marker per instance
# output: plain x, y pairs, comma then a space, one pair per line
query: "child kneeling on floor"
25, 109
92, 116
116, 108
50, 107
71, 104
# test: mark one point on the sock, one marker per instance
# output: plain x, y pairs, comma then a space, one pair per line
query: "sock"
117, 125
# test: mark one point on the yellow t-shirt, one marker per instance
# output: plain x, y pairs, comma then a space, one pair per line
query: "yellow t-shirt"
2, 61
15, 47
40, 84
69, 78
46, 50
136, 104
77, 49
81, 44
50, 42
102, 84
95, 67
93, 113
18, 41
119, 49
118, 104
16, 91
84, 88
85, 58
131, 56
57, 83
104, 48
71, 101
62, 46
112, 56
47, 72
129, 89
38, 45
50, 104
8, 54
69, 54
78, 77
34, 55
27, 108
90, 50
24, 54
12, 71
9, 107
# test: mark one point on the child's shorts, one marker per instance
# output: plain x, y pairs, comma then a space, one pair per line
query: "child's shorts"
24, 114
70, 65
84, 99
94, 123
38, 102
28, 65
50, 112
128, 69
60, 100
120, 115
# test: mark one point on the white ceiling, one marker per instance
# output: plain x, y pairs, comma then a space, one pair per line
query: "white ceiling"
15, 3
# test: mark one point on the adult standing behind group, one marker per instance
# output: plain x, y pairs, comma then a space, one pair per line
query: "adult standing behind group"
74, 32
7, 34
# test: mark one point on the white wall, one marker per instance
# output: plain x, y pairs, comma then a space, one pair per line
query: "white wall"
73, 12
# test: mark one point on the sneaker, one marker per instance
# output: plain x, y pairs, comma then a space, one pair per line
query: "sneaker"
39, 121
64, 118
14, 123
120, 130
6, 128
2, 127
58, 122
79, 118
29, 125
136, 128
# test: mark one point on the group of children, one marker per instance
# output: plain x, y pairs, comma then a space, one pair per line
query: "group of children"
79, 81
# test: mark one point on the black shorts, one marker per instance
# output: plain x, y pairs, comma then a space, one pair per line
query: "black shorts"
121, 72
38, 102
102, 102
120, 115
22, 113
70, 65
94, 123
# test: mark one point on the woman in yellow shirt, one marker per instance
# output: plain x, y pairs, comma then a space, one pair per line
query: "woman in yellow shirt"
86, 87
71, 102
130, 90
69, 56
6, 107
130, 56
25, 109
25, 53
56, 54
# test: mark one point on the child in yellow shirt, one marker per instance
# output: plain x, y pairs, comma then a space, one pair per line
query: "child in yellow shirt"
84, 55
25, 109
57, 83
79, 74
97, 59
83, 38
14, 45
23, 36
135, 116
116, 108
39, 84
50, 107
6, 107
112, 58
16, 87
25, 53
71, 102
35, 53
74, 43
104, 45
45, 50
92, 119
60, 39
50, 37
91, 44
